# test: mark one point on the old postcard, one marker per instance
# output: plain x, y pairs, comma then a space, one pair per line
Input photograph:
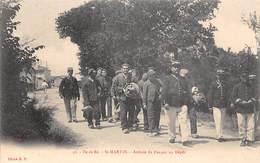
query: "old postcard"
130, 81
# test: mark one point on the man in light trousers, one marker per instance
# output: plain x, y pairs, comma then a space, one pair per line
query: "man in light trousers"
244, 97
175, 99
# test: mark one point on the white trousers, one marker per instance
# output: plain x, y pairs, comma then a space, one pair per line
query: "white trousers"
180, 113
219, 118
246, 126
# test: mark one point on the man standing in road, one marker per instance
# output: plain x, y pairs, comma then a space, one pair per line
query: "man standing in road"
218, 101
244, 97
152, 102
91, 93
105, 84
174, 96
126, 103
69, 91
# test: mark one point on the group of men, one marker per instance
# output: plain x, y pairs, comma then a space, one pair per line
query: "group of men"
175, 94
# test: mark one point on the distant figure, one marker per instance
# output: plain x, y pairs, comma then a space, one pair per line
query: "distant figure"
44, 86
69, 91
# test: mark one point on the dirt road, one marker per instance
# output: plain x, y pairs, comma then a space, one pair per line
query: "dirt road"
110, 142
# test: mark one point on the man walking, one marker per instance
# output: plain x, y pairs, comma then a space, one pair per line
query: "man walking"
217, 102
91, 93
104, 94
69, 91
244, 97
174, 96
152, 102
126, 103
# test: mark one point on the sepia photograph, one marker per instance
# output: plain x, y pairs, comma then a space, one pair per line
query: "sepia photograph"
130, 81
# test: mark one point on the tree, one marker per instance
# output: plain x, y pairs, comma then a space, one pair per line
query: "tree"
111, 32
253, 22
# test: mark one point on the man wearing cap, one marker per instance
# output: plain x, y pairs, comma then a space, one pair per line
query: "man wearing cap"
91, 92
152, 102
126, 103
69, 91
173, 94
218, 101
244, 97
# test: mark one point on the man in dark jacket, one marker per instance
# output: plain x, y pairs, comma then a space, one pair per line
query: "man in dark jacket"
152, 102
175, 103
126, 103
244, 97
91, 92
105, 84
69, 91
218, 101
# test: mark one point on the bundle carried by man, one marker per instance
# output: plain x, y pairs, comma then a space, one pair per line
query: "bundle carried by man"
131, 90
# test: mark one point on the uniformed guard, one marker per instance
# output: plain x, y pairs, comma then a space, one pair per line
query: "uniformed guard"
174, 97
244, 97
218, 99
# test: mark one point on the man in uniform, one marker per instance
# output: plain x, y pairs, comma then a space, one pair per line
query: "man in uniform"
218, 101
69, 92
244, 97
126, 103
174, 96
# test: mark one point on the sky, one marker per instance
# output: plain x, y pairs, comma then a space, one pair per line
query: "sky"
37, 19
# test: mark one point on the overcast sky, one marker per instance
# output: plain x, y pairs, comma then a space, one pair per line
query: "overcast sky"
38, 22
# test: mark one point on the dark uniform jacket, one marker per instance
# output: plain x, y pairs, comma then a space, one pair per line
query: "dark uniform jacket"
218, 95
244, 92
69, 87
90, 92
151, 91
175, 91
